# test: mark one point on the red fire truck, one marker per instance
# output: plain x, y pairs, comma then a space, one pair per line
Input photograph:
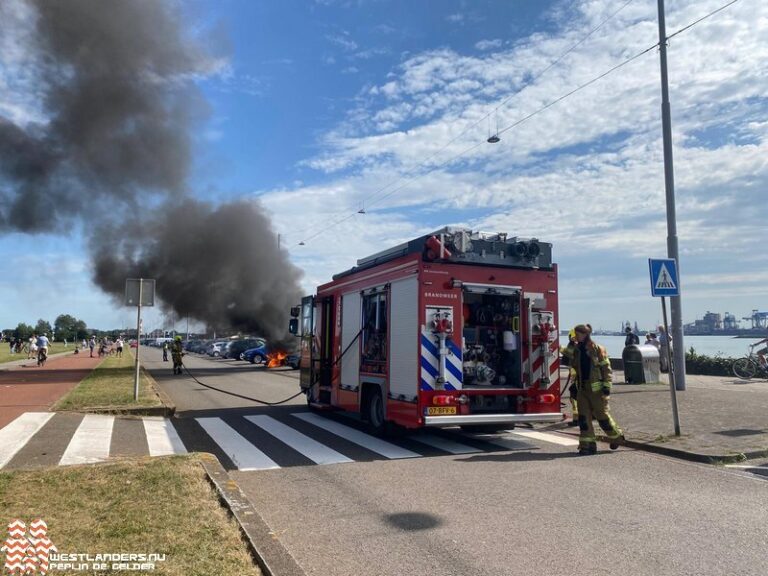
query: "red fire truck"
453, 328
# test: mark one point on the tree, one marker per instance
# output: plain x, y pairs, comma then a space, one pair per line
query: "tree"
23, 331
81, 330
67, 327
43, 327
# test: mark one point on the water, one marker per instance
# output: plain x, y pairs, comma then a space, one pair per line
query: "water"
727, 346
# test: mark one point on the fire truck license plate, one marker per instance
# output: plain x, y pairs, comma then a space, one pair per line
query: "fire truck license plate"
441, 410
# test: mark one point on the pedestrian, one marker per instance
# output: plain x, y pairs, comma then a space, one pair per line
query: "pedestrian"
165, 351
665, 348
92, 344
176, 354
119, 346
651, 340
632, 339
568, 353
30, 345
593, 374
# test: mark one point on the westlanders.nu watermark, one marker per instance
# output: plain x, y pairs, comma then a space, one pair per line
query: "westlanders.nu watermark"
29, 551
105, 561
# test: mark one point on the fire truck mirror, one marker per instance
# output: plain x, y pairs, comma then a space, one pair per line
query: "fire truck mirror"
293, 326
295, 311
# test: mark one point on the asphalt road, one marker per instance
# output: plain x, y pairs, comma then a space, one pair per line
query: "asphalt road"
534, 509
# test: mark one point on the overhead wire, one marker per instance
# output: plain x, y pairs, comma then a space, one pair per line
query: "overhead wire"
407, 174
528, 116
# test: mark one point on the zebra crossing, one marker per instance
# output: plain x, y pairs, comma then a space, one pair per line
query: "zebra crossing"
245, 442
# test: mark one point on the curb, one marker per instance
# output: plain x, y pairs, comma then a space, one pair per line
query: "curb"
675, 452
269, 553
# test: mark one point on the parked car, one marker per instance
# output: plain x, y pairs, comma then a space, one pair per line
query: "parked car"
237, 347
256, 355
214, 349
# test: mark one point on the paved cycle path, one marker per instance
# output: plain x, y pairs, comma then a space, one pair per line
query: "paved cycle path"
29, 388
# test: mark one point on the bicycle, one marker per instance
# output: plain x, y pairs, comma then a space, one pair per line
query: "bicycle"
746, 368
42, 356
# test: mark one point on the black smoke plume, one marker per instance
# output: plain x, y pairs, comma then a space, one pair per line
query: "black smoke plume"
119, 94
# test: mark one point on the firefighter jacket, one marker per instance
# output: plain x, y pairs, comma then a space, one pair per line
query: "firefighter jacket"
600, 374
570, 352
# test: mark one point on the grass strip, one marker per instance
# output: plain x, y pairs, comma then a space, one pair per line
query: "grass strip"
149, 505
54, 348
110, 385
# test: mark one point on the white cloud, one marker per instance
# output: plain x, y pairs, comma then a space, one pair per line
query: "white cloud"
489, 44
343, 41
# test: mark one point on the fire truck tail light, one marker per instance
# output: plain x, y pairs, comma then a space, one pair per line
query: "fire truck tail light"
443, 400
546, 398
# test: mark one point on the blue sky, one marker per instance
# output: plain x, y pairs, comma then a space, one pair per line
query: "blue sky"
318, 105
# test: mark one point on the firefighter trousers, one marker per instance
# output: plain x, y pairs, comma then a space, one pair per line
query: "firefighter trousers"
594, 404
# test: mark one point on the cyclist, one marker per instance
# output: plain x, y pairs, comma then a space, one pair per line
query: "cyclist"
42, 348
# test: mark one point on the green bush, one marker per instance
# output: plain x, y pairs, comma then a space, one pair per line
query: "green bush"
708, 365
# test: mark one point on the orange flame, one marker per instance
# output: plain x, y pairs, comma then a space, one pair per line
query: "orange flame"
276, 359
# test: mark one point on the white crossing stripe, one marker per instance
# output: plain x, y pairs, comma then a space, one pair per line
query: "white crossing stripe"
162, 438
361, 439
16, 434
761, 467
562, 440
90, 442
312, 449
445, 444
244, 454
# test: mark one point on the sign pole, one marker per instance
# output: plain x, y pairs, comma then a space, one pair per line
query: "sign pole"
672, 388
669, 187
138, 342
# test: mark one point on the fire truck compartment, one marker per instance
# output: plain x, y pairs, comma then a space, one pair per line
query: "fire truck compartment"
491, 345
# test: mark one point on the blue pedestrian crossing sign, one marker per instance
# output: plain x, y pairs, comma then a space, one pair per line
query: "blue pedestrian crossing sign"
664, 279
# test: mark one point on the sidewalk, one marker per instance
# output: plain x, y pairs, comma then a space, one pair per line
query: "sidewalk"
722, 419
26, 388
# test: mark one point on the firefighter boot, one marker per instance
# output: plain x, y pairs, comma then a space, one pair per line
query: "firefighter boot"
588, 449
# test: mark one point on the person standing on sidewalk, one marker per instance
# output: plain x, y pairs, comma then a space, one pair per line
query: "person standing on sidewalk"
569, 352
92, 344
665, 349
165, 351
593, 376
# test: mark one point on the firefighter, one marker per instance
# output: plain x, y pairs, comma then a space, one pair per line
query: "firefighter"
568, 352
176, 354
592, 369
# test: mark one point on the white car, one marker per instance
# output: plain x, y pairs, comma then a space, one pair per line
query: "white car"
215, 349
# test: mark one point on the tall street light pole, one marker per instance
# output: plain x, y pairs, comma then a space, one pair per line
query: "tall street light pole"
669, 182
